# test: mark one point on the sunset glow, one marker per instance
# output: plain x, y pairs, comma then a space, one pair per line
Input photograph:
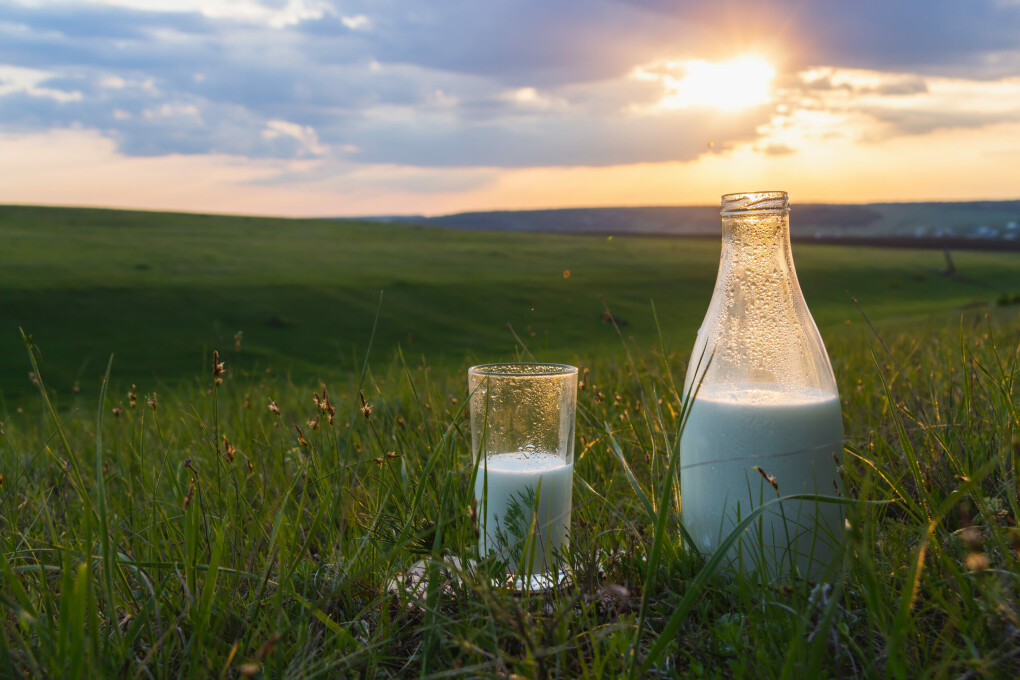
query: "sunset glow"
731, 85
314, 107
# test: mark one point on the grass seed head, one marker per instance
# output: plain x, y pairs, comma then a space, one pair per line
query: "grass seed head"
366, 408
273, 408
301, 436
326, 406
971, 537
116, 411
219, 367
977, 562
152, 402
768, 478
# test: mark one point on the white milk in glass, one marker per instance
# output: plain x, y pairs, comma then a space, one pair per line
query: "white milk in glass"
794, 435
517, 476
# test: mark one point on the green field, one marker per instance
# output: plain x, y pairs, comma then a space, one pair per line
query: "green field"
233, 529
161, 291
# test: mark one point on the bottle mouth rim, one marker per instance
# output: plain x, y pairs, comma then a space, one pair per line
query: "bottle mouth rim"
757, 202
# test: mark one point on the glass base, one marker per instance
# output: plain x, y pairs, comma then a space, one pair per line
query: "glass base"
416, 579
537, 583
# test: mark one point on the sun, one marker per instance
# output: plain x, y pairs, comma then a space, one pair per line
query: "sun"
732, 85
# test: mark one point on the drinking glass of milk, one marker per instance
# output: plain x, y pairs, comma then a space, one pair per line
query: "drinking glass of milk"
765, 421
522, 437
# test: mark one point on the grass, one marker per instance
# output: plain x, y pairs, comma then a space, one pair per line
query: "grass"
160, 291
195, 532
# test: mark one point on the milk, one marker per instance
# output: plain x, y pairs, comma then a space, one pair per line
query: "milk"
517, 476
795, 435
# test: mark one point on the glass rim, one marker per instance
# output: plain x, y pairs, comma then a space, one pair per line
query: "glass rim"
523, 369
743, 202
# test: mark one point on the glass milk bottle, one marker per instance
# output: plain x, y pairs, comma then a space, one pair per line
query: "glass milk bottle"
765, 398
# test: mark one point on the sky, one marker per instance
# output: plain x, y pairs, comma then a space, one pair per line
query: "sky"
377, 107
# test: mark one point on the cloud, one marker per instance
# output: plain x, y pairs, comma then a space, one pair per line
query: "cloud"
343, 178
907, 103
978, 38
778, 150
571, 138
507, 83
14, 79
305, 135
356, 23
271, 13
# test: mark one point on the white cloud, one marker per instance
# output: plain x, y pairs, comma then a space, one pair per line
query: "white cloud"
529, 98
358, 22
292, 13
172, 110
16, 79
304, 134
112, 82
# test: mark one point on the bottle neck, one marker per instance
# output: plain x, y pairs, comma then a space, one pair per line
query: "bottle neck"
758, 330
756, 235
757, 245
